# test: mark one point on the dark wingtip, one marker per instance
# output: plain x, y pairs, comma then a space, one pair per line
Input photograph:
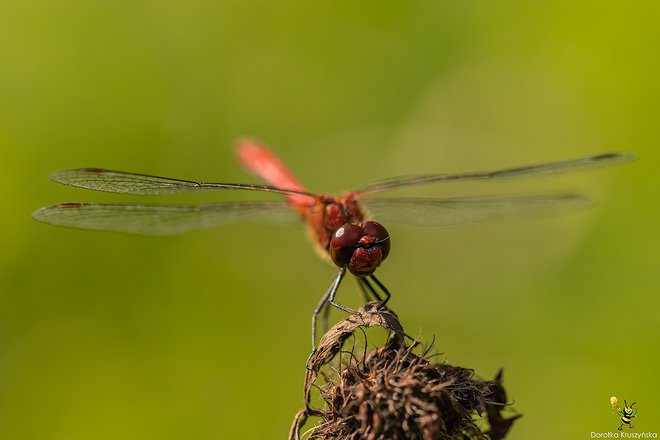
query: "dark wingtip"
584, 200
621, 157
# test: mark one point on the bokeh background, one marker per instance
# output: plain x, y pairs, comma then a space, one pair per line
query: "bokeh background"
205, 335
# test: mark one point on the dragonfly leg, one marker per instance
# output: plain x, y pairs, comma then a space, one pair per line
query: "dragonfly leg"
385, 291
324, 318
363, 291
365, 282
324, 302
331, 298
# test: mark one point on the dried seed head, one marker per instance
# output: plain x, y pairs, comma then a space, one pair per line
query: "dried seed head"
392, 393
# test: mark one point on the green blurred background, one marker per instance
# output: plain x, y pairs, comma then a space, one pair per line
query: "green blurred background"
205, 335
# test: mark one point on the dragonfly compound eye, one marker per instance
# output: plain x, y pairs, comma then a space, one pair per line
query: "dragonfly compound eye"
360, 248
379, 234
344, 243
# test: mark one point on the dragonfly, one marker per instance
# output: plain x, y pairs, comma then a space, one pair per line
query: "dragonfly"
340, 227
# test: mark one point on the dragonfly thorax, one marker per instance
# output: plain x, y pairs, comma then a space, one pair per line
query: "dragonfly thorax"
328, 214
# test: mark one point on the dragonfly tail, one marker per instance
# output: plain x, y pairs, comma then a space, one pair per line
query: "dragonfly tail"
257, 159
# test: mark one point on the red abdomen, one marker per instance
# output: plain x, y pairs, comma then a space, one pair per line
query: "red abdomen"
260, 161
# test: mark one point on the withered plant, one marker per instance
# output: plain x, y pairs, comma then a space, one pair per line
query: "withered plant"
392, 393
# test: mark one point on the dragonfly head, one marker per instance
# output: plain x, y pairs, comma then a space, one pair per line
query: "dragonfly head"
360, 248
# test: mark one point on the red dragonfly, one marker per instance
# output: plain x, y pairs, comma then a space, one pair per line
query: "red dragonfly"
339, 226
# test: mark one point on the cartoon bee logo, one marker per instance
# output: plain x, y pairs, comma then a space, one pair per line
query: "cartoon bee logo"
627, 413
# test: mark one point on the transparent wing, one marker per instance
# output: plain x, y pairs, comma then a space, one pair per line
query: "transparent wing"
546, 169
142, 184
469, 210
161, 219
